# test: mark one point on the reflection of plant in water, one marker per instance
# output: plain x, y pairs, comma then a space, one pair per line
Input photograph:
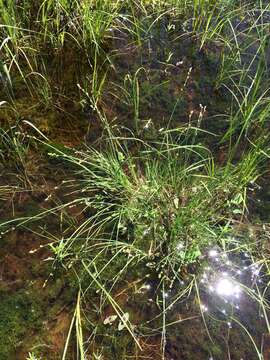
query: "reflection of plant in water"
149, 228
155, 212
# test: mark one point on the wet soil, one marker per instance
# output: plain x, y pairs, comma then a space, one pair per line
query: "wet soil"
38, 297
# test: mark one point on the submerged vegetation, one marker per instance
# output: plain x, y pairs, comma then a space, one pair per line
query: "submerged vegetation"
134, 183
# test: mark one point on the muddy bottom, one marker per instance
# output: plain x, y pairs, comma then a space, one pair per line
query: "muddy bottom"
177, 85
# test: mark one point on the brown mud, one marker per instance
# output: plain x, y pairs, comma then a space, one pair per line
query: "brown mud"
38, 297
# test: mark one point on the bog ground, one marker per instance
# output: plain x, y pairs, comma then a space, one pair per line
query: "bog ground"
134, 180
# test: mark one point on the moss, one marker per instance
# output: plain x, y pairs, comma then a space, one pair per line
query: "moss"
20, 314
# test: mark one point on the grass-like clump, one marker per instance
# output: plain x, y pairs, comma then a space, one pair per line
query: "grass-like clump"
134, 161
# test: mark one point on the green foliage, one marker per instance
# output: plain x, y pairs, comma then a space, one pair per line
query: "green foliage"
13, 148
147, 206
19, 314
32, 356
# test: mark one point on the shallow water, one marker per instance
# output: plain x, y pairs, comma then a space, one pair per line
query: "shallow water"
38, 296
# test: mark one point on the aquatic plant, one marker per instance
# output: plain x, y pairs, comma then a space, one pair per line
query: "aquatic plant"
154, 222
